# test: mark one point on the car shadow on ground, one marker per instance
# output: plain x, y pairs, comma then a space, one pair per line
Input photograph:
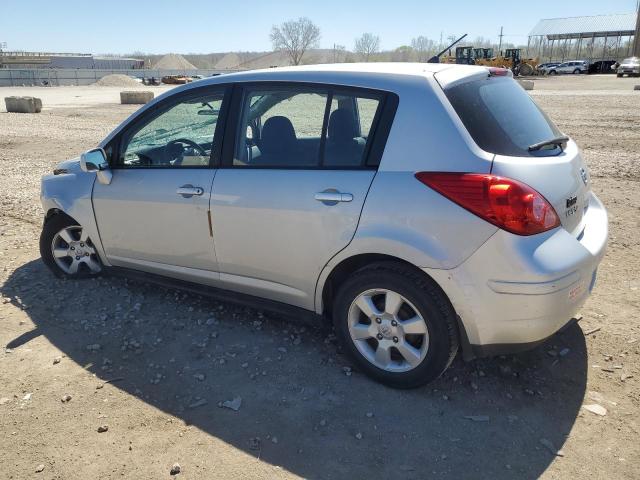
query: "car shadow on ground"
184, 354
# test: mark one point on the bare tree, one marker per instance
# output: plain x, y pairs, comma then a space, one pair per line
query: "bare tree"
423, 47
367, 45
295, 37
339, 53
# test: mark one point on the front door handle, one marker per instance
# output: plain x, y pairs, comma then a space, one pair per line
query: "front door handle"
188, 191
332, 197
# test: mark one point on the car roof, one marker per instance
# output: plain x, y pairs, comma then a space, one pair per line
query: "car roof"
338, 72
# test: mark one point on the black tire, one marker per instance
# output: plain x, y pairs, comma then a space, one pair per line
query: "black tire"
430, 301
576, 71
553, 72
619, 75
52, 227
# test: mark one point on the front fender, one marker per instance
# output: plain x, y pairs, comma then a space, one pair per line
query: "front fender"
71, 193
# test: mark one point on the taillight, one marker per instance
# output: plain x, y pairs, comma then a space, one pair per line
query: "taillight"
507, 203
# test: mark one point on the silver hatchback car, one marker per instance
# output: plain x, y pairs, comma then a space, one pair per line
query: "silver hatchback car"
423, 208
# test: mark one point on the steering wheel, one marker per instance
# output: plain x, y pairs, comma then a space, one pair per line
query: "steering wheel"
182, 142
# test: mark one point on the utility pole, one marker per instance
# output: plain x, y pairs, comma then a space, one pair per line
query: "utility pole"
500, 44
636, 37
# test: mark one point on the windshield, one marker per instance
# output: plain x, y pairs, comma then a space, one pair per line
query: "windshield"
631, 60
501, 117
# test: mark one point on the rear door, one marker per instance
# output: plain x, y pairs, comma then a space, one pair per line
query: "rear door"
295, 176
504, 120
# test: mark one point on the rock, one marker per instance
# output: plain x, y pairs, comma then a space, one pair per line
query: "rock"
564, 352
4, 400
199, 376
595, 408
477, 418
175, 469
94, 347
136, 97
359, 436
636, 87
234, 404
27, 397
23, 104
66, 398
526, 84
549, 446
40, 468
369, 414
323, 422
103, 428
198, 403
254, 443
57, 360
274, 439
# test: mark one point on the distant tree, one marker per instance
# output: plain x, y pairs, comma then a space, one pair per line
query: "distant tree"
423, 47
367, 45
295, 37
403, 53
339, 53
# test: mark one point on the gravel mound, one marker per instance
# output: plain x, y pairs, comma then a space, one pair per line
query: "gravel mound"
117, 80
174, 62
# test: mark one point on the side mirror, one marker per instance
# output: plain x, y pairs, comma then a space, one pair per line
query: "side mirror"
94, 160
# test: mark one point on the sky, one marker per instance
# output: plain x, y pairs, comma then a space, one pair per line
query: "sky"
205, 26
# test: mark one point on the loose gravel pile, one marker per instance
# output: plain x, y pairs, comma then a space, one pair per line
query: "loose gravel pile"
117, 80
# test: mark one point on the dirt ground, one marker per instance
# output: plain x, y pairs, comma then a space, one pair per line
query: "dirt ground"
154, 364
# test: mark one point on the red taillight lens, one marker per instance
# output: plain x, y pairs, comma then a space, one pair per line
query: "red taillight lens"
507, 203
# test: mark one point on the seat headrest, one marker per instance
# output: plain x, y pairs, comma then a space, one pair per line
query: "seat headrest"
278, 135
342, 126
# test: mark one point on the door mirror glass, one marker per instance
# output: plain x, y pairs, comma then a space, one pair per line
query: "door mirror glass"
93, 160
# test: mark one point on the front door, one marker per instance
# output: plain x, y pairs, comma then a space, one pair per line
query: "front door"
154, 216
290, 197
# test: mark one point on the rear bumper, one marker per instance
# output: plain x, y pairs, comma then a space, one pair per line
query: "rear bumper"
515, 292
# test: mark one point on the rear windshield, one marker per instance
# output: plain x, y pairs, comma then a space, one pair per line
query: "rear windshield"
501, 117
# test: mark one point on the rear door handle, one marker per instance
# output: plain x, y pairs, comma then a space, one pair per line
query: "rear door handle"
188, 191
332, 197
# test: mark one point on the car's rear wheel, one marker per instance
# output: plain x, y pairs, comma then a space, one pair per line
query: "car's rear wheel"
576, 71
397, 324
67, 250
553, 72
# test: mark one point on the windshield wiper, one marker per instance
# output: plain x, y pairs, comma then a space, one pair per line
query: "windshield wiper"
558, 141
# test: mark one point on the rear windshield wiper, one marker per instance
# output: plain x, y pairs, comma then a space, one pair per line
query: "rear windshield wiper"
559, 141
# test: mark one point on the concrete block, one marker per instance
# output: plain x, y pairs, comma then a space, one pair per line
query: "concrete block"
526, 84
136, 97
23, 104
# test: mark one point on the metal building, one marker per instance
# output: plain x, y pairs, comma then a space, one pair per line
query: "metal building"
66, 60
600, 37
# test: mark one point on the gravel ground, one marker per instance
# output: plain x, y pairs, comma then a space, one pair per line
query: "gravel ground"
111, 378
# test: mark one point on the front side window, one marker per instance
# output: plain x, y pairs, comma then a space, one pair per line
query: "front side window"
304, 128
180, 136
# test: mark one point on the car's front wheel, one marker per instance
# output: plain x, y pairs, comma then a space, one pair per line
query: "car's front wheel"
67, 250
397, 324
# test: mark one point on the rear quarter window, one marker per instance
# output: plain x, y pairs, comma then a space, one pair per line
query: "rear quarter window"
501, 117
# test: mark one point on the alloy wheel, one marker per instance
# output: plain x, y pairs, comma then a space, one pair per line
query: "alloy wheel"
74, 252
388, 330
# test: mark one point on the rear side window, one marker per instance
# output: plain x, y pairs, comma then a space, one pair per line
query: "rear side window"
305, 127
501, 117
